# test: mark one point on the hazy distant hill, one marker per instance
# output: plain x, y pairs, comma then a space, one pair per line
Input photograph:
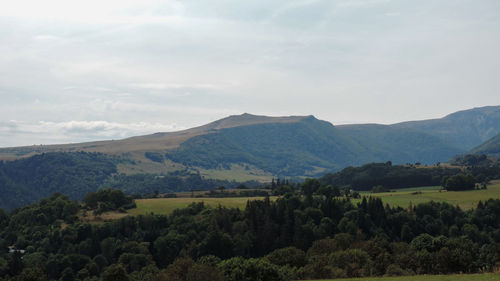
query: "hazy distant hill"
399, 145
463, 129
491, 147
246, 146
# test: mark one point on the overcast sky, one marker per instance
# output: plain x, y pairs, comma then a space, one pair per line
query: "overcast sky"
74, 71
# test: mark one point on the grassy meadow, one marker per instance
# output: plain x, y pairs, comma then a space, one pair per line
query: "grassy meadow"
400, 197
168, 205
464, 199
454, 277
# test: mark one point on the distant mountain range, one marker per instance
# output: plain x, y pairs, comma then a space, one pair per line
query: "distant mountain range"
246, 146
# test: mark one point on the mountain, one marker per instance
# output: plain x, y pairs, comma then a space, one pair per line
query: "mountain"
399, 145
250, 147
308, 146
491, 147
299, 147
463, 129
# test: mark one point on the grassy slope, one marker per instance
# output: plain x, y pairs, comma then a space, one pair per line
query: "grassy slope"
454, 277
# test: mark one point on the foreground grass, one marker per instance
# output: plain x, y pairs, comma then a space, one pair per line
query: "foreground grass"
168, 205
455, 277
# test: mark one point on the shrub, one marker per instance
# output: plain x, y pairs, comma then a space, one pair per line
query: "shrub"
288, 256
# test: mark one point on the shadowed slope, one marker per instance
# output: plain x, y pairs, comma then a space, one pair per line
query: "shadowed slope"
490, 147
463, 129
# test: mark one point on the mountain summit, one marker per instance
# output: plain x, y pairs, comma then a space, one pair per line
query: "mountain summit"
256, 147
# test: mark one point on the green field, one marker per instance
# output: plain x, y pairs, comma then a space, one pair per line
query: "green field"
401, 197
168, 205
465, 199
455, 277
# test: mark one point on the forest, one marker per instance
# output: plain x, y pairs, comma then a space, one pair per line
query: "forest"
28, 180
306, 235
313, 230
470, 168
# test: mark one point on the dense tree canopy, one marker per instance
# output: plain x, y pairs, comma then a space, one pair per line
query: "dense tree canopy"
28, 180
388, 175
459, 182
173, 182
295, 237
75, 174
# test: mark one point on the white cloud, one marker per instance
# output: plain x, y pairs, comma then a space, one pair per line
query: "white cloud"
361, 3
93, 11
75, 131
105, 128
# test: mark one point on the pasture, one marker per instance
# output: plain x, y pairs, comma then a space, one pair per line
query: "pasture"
168, 205
400, 197
464, 199
454, 277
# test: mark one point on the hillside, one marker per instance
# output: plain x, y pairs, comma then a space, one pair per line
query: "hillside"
491, 147
399, 145
463, 129
75, 174
307, 147
295, 148
251, 147
387, 175
460, 131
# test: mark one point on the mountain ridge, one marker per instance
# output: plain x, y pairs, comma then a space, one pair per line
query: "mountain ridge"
244, 119
262, 146
464, 129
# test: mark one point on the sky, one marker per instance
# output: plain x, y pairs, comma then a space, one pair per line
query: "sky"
74, 71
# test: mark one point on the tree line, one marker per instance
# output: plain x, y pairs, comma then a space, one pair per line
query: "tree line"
473, 169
